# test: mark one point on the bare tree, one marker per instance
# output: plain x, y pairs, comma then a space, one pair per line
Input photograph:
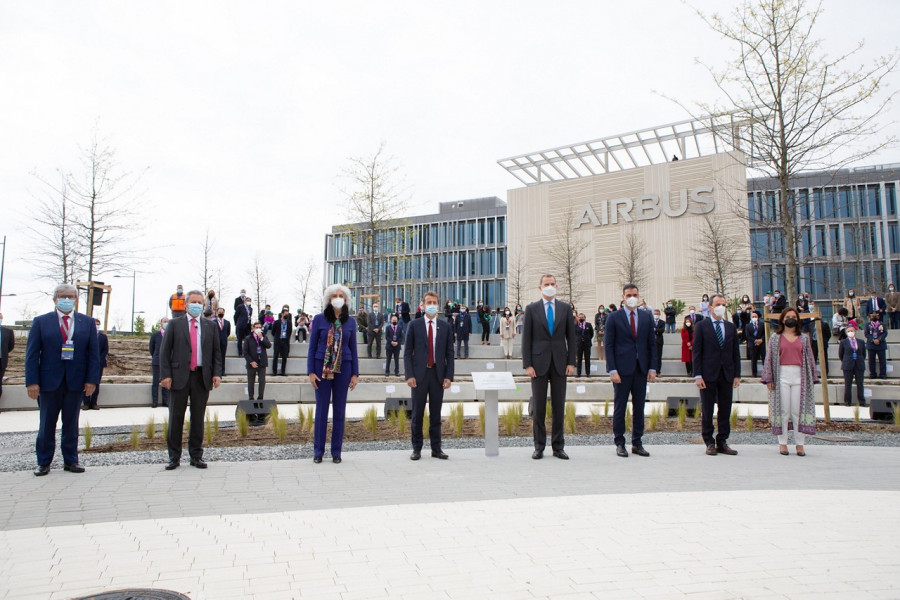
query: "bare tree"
375, 203
206, 269
567, 256
796, 109
515, 274
305, 281
717, 255
259, 280
633, 260
56, 255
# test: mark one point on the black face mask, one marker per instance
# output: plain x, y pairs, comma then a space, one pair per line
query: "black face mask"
394, 323
222, 316
790, 322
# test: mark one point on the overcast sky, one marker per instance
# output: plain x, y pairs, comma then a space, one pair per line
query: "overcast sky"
241, 115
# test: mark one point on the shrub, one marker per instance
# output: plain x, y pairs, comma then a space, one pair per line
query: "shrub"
512, 418
279, 426
301, 418
595, 415
570, 417
207, 426
733, 419
310, 418
370, 420
856, 414
682, 416
166, 428
654, 419
481, 418
216, 424
896, 411
242, 423
135, 437
606, 407
150, 428
401, 421
457, 418
748, 420
88, 434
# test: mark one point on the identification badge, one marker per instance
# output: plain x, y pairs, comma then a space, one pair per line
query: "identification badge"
68, 351
854, 356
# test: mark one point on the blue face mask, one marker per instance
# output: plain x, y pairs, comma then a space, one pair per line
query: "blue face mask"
195, 309
65, 304
431, 310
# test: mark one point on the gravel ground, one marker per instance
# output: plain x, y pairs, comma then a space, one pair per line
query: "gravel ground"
17, 449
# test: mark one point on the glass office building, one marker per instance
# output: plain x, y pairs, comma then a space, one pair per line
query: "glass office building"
848, 232
460, 252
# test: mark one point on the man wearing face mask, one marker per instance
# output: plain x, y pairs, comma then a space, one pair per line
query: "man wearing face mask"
7, 343
659, 328
155, 347
892, 302
375, 322
876, 346
585, 345
243, 316
177, 303
717, 372
189, 363
257, 359
852, 354
62, 366
755, 335
670, 313
630, 361
91, 403
393, 340
549, 344
875, 304
281, 332
462, 328
224, 328
693, 315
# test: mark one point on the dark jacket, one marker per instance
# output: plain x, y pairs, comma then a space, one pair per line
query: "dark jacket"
155, 346
659, 328
43, 363
585, 336
868, 309
845, 354
669, 311
175, 356
7, 343
276, 328
224, 332
876, 331
318, 340
103, 348
624, 353
779, 305
242, 317
393, 334
709, 359
754, 332
375, 321
254, 352
415, 353
462, 326
538, 346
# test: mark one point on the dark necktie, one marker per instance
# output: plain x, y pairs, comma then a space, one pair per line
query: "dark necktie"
633, 326
430, 343
720, 337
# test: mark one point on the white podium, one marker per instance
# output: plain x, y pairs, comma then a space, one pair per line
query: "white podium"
491, 382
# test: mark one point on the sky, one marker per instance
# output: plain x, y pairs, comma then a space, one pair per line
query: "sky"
238, 118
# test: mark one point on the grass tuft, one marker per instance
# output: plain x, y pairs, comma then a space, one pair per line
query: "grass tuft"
733, 419
207, 427
595, 415
606, 407
481, 418
166, 428
135, 437
570, 417
301, 418
896, 412
370, 420
88, 434
309, 422
457, 418
216, 424
856, 414
512, 418
654, 419
748, 420
401, 421
150, 428
682, 416
242, 423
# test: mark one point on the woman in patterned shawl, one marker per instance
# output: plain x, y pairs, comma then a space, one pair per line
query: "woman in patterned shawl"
790, 374
333, 367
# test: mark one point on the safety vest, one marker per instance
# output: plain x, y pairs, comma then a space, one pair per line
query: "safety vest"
177, 303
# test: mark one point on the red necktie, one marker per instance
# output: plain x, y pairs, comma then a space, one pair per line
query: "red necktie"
65, 329
193, 344
430, 343
633, 328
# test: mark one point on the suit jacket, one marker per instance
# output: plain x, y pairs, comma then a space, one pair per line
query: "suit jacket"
415, 354
381, 317
462, 326
780, 304
224, 332
7, 343
393, 336
624, 353
276, 329
539, 347
318, 341
585, 336
709, 359
754, 332
659, 329
103, 348
876, 331
155, 346
242, 316
43, 363
404, 311
868, 309
261, 358
845, 355
175, 355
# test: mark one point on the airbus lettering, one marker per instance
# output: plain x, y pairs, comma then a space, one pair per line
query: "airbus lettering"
697, 201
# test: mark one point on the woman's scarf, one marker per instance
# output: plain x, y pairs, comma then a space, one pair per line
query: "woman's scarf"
333, 351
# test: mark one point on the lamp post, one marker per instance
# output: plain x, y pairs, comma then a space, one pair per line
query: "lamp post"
133, 278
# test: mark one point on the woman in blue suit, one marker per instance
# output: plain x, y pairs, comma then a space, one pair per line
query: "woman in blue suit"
333, 367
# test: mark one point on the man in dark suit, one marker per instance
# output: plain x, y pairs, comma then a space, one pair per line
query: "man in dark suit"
103, 341
257, 360
189, 363
374, 324
874, 304
401, 308
852, 354
585, 345
155, 346
281, 333
243, 317
428, 367
239, 301
62, 366
630, 342
693, 315
224, 328
393, 341
755, 336
7, 343
876, 346
659, 330
462, 329
549, 343
717, 372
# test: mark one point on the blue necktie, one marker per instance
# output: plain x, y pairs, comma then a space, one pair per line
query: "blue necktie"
550, 317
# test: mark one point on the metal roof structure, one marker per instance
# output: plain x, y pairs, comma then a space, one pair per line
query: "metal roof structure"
686, 139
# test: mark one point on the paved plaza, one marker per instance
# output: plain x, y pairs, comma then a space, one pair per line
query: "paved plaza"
677, 525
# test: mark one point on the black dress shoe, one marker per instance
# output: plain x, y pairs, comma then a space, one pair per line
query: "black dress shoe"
726, 449
95, 407
439, 454
317, 459
863, 404
537, 454
711, 450
196, 462
416, 455
639, 450
42, 470
621, 451
73, 468
153, 406
561, 454
336, 460
173, 464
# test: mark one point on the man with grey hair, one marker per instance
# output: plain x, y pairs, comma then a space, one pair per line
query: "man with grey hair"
62, 366
189, 364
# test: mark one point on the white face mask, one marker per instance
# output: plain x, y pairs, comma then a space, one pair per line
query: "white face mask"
549, 291
754, 320
719, 311
631, 302
851, 334
258, 332
337, 303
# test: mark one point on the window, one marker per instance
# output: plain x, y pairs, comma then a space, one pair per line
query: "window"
843, 202
894, 238
890, 197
